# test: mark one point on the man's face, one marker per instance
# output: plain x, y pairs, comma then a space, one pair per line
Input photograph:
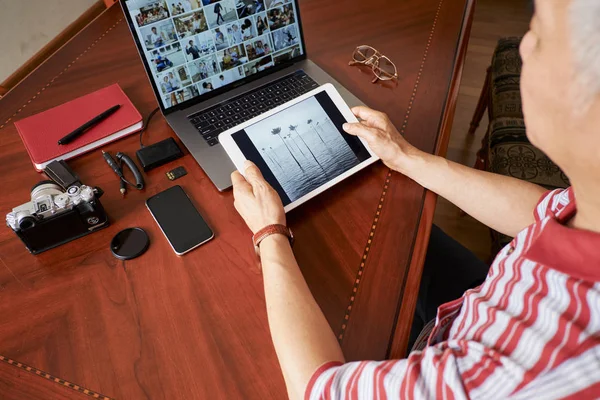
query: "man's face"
154, 30
547, 83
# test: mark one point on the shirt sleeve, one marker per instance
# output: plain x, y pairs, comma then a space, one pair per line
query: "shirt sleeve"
454, 369
431, 373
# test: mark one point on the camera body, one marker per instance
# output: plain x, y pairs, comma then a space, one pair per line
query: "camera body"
55, 216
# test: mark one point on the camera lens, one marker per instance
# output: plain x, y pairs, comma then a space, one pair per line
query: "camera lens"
40, 183
26, 223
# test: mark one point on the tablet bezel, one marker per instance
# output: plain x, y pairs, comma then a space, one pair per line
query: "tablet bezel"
238, 158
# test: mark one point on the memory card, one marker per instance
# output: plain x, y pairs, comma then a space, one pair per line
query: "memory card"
176, 173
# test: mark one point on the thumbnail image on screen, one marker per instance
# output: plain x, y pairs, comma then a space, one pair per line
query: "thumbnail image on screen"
301, 147
196, 46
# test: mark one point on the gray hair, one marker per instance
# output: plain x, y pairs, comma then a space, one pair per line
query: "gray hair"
585, 44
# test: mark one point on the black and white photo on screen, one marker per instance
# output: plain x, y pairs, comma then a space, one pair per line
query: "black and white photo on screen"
183, 6
199, 45
166, 57
302, 147
158, 34
146, 12
281, 16
258, 65
285, 37
220, 13
190, 24
174, 79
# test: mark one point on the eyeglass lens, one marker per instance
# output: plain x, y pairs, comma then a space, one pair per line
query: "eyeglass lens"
384, 69
363, 53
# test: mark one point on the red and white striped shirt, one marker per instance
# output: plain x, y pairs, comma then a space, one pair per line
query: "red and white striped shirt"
531, 330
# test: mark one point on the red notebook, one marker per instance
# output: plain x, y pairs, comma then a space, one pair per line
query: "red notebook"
40, 132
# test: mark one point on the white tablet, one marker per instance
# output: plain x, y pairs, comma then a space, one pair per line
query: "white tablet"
300, 146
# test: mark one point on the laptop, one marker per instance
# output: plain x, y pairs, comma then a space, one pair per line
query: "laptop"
216, 64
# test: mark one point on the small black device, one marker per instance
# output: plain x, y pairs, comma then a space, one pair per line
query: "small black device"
56, 215
179, 220
88, 125
129, 243
176, 173
158, 154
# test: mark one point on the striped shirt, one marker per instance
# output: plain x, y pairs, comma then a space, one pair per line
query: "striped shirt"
531, 330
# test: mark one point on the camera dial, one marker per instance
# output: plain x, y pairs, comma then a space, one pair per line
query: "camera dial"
61, 200
87, 193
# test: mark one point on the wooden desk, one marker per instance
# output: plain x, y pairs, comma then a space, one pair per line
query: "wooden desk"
161, 326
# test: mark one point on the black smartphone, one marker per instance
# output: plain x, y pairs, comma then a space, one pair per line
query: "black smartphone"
179, 220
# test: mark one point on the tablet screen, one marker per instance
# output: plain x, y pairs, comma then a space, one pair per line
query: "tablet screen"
301, 147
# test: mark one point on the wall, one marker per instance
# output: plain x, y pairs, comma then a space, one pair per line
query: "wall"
27, 25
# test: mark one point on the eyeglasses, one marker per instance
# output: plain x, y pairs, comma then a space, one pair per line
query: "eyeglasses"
383, 68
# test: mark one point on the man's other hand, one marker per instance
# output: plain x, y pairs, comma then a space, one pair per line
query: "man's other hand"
383, 138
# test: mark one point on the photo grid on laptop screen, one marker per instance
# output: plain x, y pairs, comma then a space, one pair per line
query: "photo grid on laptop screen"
195, 46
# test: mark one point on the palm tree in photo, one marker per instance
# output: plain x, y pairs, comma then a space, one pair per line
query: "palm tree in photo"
270, 158
277, 132
290, 137
294, 128
310, 123
274, 156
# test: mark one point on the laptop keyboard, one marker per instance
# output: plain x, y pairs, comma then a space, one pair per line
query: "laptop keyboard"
212, 121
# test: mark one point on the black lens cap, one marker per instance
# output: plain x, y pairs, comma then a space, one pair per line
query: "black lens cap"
129, 243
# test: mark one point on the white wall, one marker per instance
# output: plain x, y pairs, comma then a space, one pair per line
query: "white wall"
27, 25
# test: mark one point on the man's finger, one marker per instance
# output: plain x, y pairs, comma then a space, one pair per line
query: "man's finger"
361, 130
239, 183
253, 174
372, 118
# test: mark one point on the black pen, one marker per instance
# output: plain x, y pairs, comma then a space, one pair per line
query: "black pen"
69, 138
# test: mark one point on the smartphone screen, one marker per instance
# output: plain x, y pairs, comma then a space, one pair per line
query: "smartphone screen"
179, 220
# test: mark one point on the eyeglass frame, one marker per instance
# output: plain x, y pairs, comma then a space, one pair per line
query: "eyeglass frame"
373, 62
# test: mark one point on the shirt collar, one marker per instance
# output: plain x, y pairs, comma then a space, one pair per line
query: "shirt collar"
572, 251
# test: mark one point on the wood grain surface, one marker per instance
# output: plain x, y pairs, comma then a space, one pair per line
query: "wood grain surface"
195, 327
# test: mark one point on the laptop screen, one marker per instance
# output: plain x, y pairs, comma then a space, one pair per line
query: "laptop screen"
193, 47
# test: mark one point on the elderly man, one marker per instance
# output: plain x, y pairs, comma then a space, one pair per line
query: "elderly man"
532, 329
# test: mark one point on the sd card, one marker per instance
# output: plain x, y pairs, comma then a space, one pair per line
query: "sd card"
176, 173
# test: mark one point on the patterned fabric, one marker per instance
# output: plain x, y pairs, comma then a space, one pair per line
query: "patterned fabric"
531, 330
510, 152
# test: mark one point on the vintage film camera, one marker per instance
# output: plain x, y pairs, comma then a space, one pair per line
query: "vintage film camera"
60, 210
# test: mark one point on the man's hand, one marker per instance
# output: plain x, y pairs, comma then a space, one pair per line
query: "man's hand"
383, 138
256, 201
